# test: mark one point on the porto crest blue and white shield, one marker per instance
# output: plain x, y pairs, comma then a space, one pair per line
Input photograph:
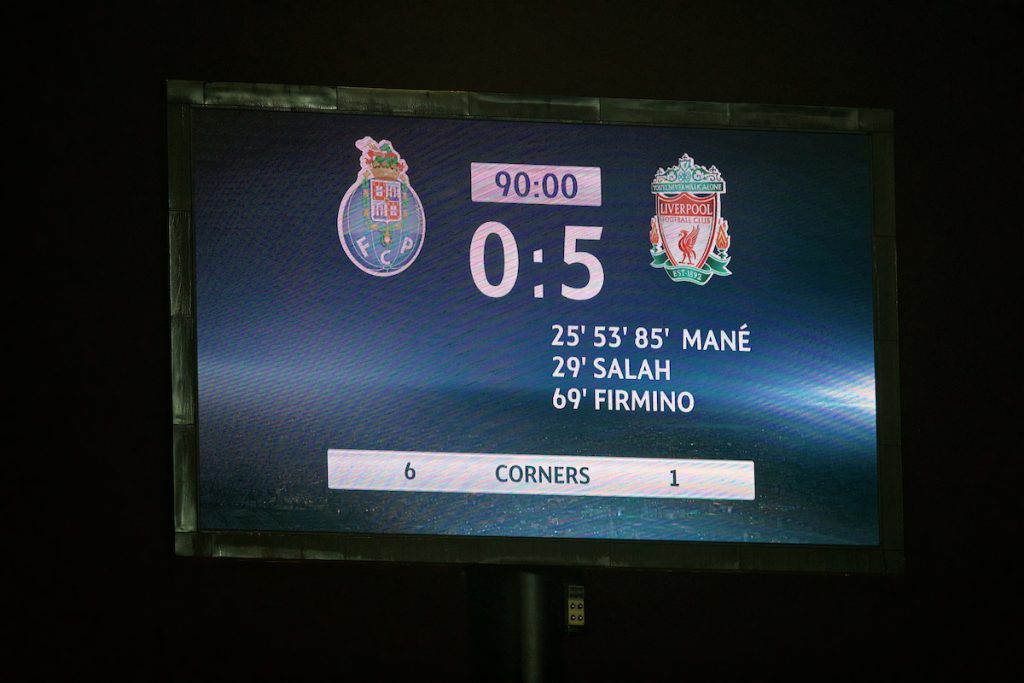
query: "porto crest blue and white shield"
381, 223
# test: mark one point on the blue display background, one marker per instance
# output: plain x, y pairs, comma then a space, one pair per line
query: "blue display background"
300, 351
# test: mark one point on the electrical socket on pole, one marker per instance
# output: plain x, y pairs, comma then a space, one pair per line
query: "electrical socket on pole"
575, 616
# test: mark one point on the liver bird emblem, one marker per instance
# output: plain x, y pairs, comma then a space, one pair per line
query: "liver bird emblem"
686, 244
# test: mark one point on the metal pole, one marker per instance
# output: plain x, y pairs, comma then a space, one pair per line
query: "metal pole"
531, 596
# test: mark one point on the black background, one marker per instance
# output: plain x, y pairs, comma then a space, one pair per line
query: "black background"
98, 587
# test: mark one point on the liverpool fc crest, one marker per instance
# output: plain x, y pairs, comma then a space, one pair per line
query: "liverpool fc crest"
689, 237
380, 221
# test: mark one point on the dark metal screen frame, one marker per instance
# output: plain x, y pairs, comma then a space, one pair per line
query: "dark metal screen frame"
185, 96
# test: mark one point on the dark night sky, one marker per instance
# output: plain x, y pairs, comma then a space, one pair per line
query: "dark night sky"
103, 590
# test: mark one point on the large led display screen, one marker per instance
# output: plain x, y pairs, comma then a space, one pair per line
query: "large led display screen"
461, 327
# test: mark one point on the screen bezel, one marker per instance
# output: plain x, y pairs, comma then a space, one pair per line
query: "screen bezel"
183, 97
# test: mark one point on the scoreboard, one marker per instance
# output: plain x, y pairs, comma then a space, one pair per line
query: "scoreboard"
459, 326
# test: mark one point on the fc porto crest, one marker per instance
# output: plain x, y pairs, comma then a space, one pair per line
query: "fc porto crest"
689, 237
380, 221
